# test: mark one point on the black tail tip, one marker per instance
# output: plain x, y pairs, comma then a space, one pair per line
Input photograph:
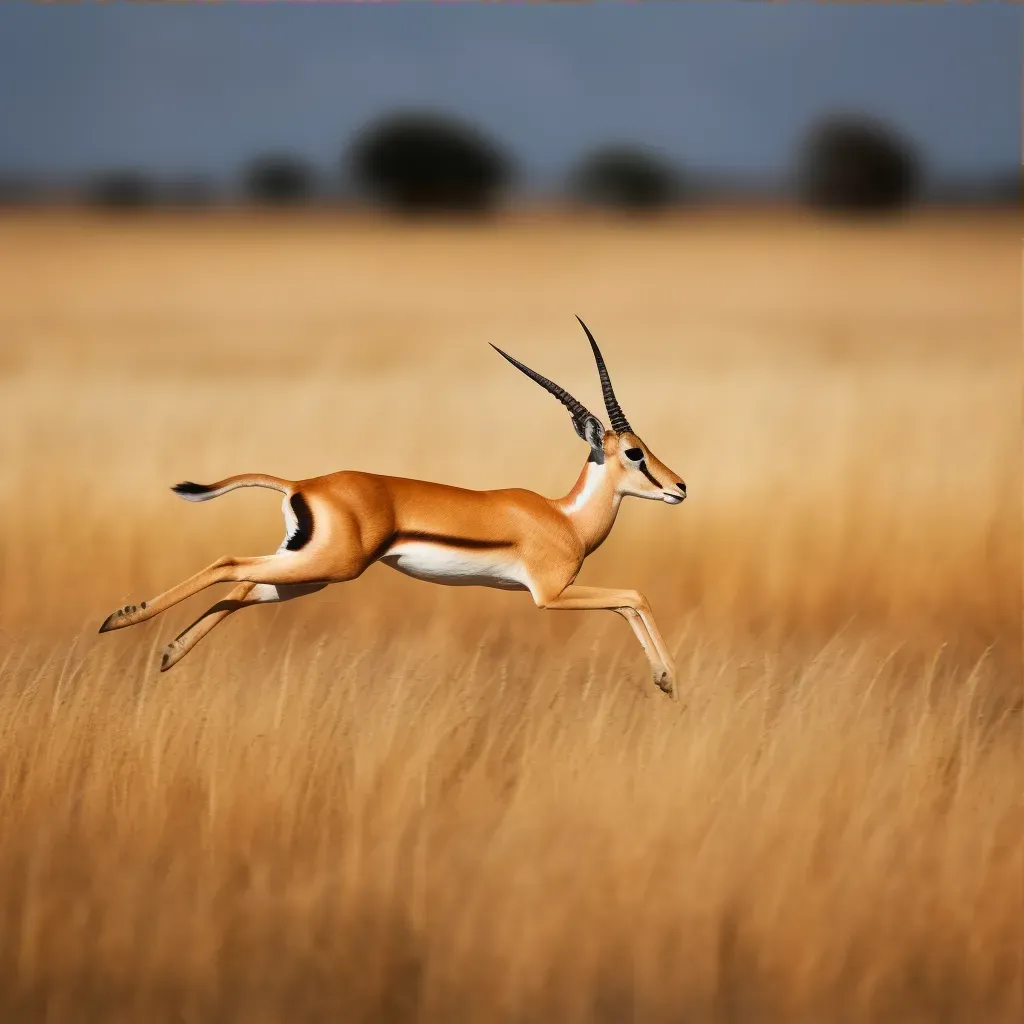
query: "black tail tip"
188, 489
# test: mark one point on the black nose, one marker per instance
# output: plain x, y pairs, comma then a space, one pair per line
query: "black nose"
682, 487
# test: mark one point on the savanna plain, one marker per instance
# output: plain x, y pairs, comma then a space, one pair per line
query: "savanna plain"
392, 801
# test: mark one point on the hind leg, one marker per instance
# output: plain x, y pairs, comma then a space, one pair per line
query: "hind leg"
245, 595
285, 568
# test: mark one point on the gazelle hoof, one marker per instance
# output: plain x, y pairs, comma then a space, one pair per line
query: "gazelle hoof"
665, 682
171, 656
126, 616
115, 620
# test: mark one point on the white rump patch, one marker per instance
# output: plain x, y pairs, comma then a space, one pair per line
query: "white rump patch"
291, 525
458, 567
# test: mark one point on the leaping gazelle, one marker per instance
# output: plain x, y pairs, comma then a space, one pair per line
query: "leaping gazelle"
512, 539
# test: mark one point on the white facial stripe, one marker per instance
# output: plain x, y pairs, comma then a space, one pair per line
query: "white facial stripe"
459, 567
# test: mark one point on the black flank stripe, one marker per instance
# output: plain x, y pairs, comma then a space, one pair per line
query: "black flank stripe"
451, 542
303, 523
647, 473
382, 548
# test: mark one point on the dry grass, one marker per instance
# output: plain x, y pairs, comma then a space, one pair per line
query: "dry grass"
397, 802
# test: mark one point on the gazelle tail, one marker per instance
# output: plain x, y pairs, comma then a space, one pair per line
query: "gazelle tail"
203, 492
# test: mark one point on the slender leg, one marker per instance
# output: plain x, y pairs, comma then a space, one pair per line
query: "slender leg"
278, 568
245, 595
634, 608
641, 632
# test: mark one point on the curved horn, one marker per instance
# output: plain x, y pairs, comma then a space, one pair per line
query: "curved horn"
615, 414
579, 412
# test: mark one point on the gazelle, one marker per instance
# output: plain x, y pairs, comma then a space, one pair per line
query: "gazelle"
513, 539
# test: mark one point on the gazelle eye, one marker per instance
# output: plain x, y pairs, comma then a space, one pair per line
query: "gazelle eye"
634, 454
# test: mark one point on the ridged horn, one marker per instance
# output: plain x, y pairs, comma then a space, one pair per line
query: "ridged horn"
616, 416
579, 412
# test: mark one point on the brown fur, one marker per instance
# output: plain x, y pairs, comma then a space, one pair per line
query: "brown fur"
359, 517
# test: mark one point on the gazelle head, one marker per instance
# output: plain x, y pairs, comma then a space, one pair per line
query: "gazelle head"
636, 470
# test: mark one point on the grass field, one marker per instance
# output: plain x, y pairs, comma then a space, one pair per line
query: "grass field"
397, 802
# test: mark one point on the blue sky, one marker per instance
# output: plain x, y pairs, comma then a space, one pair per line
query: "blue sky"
727, 86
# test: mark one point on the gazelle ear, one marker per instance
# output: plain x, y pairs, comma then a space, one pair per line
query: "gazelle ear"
592, 431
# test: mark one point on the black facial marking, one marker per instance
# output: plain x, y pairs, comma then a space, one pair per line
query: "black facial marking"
634, 454
303, 523
647, 473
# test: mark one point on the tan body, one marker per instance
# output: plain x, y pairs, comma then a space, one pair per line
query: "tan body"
511, 539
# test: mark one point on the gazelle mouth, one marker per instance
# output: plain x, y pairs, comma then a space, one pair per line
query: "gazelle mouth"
673, 499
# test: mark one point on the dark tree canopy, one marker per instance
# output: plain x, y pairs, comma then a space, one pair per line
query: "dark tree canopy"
1007, 188
18, 189
278, 178
122, 189
428, 162
191, 190
855, 165
626, 177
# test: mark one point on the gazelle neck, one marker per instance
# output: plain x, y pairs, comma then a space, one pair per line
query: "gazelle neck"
592, 504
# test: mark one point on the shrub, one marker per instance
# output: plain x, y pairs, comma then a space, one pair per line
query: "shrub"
626, 177
122, 189
18, 189
192, 190
1007, 188
278, 179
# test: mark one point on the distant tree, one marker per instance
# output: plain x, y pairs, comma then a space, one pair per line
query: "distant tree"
278, 179
421, 162
122, 189
856, 165
1007, 188
626, 177
18, 189
191, 190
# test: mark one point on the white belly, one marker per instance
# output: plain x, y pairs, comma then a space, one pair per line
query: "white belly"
457, 567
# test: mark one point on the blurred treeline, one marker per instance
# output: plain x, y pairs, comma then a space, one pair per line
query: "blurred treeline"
418, 162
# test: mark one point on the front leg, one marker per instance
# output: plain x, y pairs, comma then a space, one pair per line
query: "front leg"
634, 608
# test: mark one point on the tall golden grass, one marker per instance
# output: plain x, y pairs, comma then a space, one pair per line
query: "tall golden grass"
392, 801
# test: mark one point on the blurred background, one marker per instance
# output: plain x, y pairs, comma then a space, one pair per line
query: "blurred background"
420, 107
277, 238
